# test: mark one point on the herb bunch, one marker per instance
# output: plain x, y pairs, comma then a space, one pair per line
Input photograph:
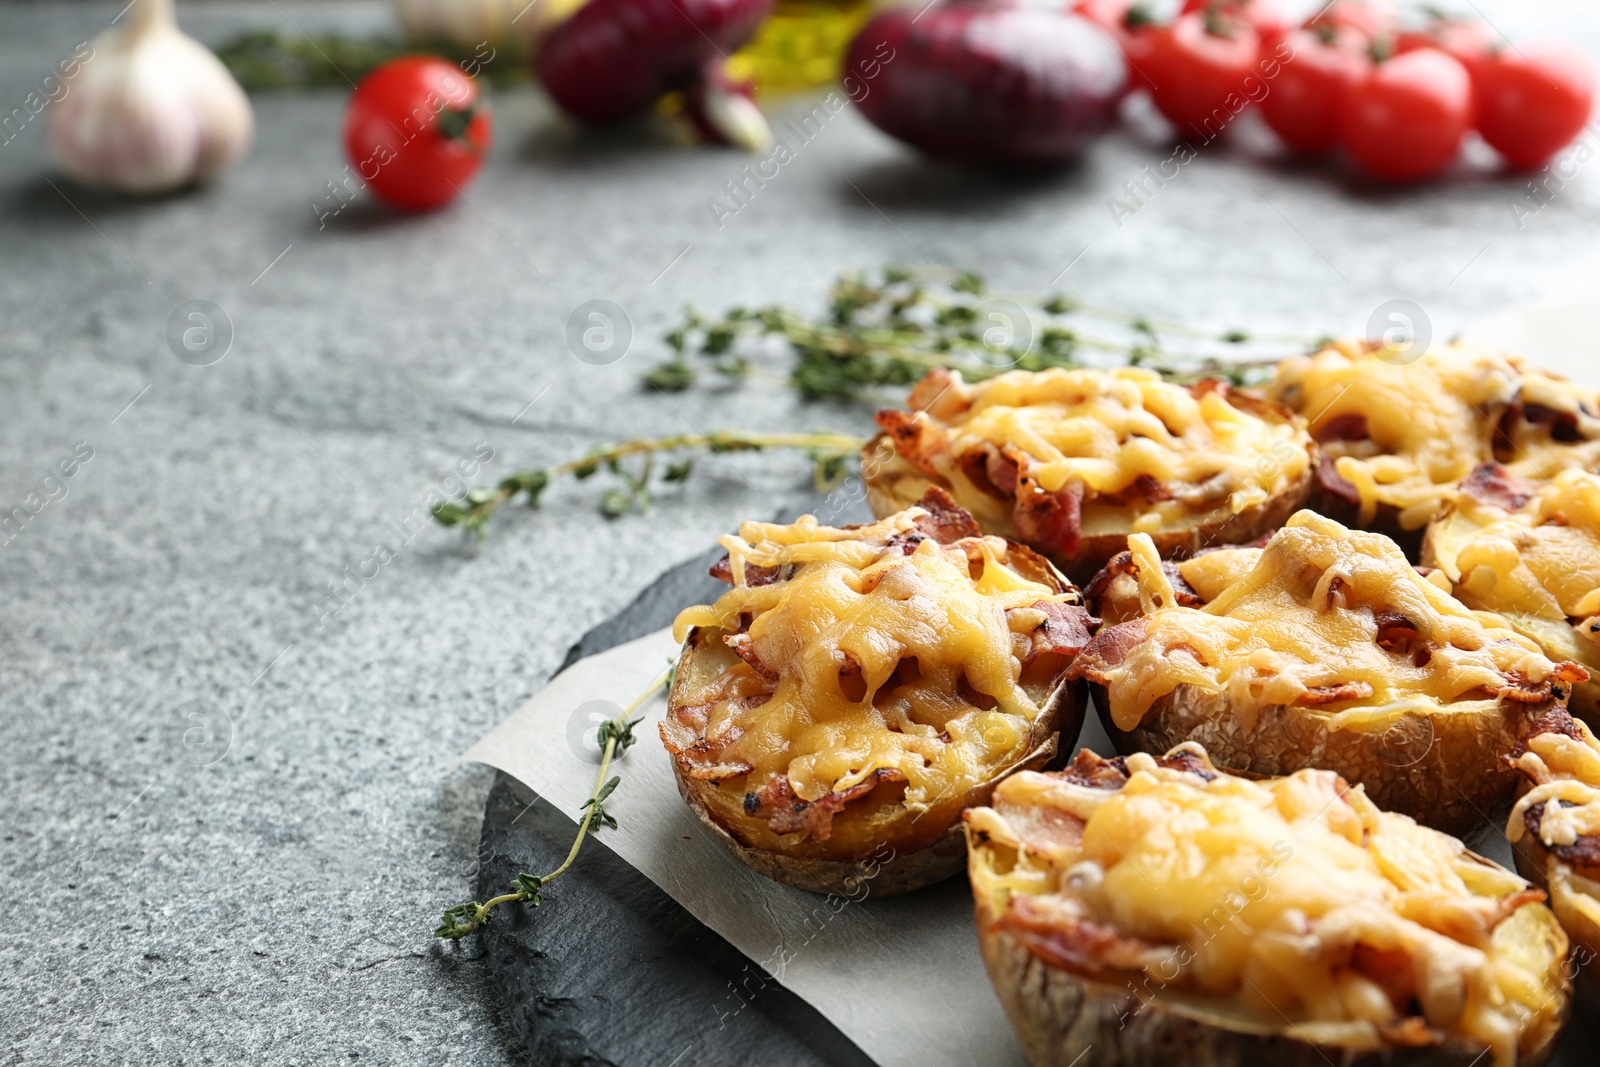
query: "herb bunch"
614, 737
890, 327
829, 453
269, 61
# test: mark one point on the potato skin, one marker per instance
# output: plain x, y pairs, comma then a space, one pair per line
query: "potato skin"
881, 848
1444, 770
1533, 860
895, 484
1063, 1019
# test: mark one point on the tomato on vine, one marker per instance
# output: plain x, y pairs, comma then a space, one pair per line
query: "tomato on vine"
1406, 119
1197, 63
1534, 98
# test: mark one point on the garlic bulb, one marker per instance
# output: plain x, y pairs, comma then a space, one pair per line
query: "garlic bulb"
152, 111
468, 22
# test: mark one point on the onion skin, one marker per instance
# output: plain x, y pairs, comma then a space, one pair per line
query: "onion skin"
613, 58
988, 83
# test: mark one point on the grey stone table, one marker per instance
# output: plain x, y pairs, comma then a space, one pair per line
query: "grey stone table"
227, 821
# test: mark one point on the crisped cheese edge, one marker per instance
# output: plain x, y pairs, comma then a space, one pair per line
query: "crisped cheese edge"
1427, 418
1271, 636
1107, 428
1248, 890
925, 605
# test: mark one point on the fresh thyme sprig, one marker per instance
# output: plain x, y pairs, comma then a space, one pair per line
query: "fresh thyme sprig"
889, 329
614, 738
829, 452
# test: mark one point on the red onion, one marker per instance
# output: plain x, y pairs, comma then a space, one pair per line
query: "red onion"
987, 82
615, 57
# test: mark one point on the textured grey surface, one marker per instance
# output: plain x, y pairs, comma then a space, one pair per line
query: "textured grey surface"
274, 906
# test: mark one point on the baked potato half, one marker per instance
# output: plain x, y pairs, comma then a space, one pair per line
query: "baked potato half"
1148, 911
1070, 462
1330, 651
1398, 432
856, 689
1531, 554
1554, 831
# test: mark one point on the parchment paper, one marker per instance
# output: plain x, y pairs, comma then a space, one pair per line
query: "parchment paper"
900, 977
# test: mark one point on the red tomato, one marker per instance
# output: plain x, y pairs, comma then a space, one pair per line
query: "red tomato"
1373, 18
1406, 120
1468, 40
1270, 24
1130, 27
1535, 97
1303, 103
1194, 72
416, 131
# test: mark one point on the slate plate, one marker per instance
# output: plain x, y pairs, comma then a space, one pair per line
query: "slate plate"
612, 971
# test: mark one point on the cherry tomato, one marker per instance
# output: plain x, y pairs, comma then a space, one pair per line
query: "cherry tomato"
1128, 24
1194, 71
1303, 104
1405, 121
1270, 24
1535, 97
1375, 19
416, 131
1468, 40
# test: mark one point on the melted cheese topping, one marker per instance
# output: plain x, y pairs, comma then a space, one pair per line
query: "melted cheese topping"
1305, 616
1260, 891
1565, 772
850, 601
1107, 429
1431, 421
1539, 566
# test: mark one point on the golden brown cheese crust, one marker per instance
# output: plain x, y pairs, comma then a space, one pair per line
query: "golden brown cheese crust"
856, 688
1143, 906
1330, 651
1531, 554
1072, 461
1398, 435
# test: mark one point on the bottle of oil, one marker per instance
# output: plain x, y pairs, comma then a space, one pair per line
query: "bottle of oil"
801, 44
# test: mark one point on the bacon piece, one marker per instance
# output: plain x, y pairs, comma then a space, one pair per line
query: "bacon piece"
1584, 852
1122, 565
946, 522
1329, 694
1350, 426
1063, 939
1096, 772
1334, 483
1492, 484
1221, 386
990, 469
1393, 971
938, 384
740, 643
786, 813
722, 571
1066, 628
1189, 763
1555, 721
1395, 631
1563, 424
917, 438
1050, 521
1520, 690
1106, 651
